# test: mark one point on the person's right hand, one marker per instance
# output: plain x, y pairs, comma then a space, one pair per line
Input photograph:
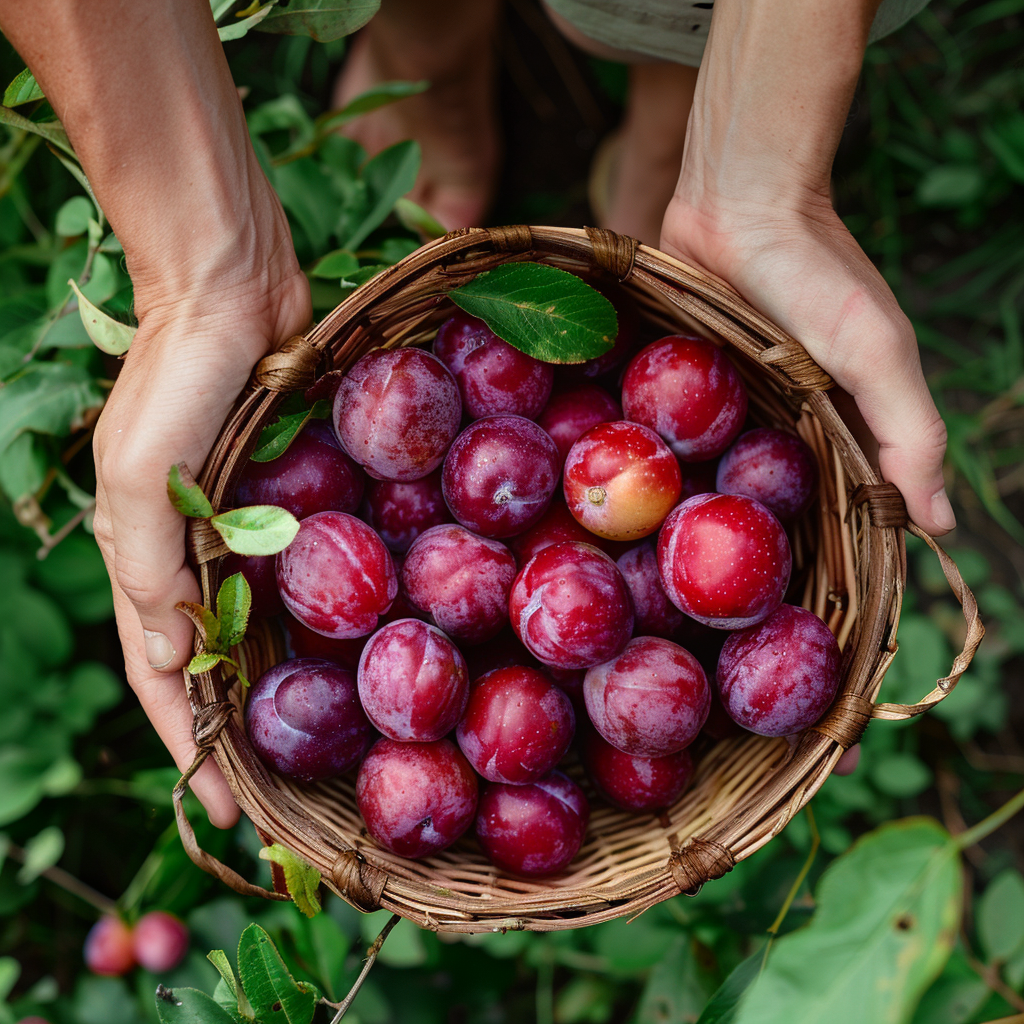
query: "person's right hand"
190, 359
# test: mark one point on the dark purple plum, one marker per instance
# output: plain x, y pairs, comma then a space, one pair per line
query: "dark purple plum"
304, 642
401, 510
571, 413
654, 614
773, 467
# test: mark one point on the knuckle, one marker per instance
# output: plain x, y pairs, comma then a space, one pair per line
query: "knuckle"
142, 586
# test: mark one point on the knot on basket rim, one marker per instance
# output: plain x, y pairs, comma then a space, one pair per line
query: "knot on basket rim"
698, 861
511, 238
208, 722
846, 720
358, 881
292, 367
792, 360
613, 252
886, 506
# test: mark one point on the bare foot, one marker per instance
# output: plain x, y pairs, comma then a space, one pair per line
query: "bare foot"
455, 121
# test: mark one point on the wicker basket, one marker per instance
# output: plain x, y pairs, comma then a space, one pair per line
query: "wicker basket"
849, 568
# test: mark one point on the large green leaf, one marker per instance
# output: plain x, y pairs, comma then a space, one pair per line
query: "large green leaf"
324, 20
548, 313
49, 398
270, 988
888, 914
388, 176
189, 1006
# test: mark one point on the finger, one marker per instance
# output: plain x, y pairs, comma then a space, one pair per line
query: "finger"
848, 761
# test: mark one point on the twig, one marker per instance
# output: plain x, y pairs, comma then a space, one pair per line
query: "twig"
54, 539
69, 883
371, 956
989, 973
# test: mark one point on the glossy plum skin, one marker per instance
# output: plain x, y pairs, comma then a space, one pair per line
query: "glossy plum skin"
635, 783
304, 642
108, 948
651, 700
571, 607
724, 560
555, 526
313, 475
571, 413
621, 481
401, 510
499, 475
413, 681
416, 798
336, 576
780, 676
518, 726
305, 721
688, 391
260, 572
160, 941
773, 467
533, 830
493, 377
461, 580
396, 413
653, 613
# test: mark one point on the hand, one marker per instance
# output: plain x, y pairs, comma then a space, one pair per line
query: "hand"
795, 261
191, 357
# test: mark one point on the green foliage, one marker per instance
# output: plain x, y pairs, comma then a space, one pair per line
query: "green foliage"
301, 879
256, 529
277, 436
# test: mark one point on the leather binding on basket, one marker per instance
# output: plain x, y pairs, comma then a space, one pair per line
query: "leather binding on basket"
849, 568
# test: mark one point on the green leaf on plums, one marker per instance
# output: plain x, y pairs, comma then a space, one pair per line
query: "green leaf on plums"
256, 529
547, 313
204, 662
106, 333
275, 995
302, 879
186, 495
276, 437
234, 599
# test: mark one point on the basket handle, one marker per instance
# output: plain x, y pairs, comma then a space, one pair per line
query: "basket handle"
975, 632
199, 856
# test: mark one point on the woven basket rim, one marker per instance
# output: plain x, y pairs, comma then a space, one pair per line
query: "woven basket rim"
864, 539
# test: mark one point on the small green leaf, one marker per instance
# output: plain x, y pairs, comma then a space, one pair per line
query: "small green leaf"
204, 662
276, 437
388, 176
189, 1006
1001, 915
257, 529
10, 971
247, 23
324, 20
339, 263
302, 879
42, 852
234, 599
238, 998
24, 89
900, 774
378, 96
950, 186
52, 131
73, 217
186, 495
545, 312
272, 991
205, 621
106, 333
413, 217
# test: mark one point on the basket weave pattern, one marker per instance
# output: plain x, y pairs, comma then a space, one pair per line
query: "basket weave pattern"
848, 569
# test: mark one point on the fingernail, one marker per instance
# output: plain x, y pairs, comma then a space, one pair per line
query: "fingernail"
158, 649
942, 511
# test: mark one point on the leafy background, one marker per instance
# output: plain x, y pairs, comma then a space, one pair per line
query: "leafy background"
930, 178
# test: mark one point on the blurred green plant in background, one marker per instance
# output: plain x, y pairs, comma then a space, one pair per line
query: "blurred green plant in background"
930, 179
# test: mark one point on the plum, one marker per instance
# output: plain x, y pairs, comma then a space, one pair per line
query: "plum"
635, 783
773, 467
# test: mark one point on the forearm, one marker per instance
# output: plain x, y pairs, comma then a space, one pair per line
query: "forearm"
146, 96
775, 85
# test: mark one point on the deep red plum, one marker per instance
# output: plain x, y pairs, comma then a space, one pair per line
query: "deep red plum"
108, 948
500, 474
159, 941
651, 700
621, 481
461, 580
724, 560
260, 572
396, 413
413, 681
336, 576
779, 676
556, 525
635, 783
401, 510
570, 413
773, 467
571, 607
518, 726
653, 613
687, 390
503, 651
493, 377
305, 721
532, 830
416, 798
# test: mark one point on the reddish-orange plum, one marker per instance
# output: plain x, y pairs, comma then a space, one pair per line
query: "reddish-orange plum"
653, 613
621, 481
773, 467
571, 607
518, 726
688, 391
651, 700
635, 783
724, 560
396, 413
416, 798
401, 510
570, 413
532, 830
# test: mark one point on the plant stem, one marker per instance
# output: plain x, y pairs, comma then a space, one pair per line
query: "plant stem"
55, 538
996, 820
371, 956
69, 883
989, 973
